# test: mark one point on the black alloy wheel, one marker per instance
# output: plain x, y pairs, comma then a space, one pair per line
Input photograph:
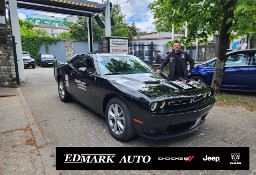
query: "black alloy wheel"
63, 94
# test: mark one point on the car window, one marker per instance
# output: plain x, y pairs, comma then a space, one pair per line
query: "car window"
73, 62
90, 65
237, 60
211, 64
116, 64
47, 56
80, 62
252, 60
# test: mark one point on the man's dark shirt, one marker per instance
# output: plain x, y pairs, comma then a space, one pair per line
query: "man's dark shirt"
178, 65
178, 70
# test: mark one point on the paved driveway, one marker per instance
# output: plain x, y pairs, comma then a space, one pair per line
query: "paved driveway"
71, 124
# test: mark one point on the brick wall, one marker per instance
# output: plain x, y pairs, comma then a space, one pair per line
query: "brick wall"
69, 49
7, 65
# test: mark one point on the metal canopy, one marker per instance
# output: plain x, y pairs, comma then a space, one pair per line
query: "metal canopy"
72, 7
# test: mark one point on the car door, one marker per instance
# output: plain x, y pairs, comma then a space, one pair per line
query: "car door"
252, 72
71, 85
85, 80
236, 71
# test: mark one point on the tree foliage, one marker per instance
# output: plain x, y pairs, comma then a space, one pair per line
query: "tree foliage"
65, 36
79, 30
120, 28
133, 30
32, 39
206, 18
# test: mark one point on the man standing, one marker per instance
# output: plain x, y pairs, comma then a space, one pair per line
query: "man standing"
177, 63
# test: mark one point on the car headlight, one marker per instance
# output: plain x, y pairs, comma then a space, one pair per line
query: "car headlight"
153, 106
162, 105
32, 59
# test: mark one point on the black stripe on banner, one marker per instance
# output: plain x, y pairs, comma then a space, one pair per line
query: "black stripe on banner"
152, 158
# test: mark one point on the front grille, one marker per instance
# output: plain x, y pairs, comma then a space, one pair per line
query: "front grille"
179, 101
49, 61
179, 127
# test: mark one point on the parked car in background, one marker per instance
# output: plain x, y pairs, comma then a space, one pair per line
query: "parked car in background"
28, 60
239, 71
46, 60
132, 97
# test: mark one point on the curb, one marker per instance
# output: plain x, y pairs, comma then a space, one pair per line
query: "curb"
41, 141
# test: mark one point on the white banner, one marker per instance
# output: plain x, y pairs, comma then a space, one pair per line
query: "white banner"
123, 50
118, 46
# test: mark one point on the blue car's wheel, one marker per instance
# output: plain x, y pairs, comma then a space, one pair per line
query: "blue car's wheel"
119, 121
198, 79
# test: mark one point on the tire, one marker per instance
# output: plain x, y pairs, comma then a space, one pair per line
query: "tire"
198, 79
33, 66
119, 121
63, 93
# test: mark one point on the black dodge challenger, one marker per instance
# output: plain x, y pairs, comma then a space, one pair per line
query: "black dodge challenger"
133, 98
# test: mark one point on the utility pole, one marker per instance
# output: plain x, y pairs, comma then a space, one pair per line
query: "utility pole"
172, 32
186, 32
107, 19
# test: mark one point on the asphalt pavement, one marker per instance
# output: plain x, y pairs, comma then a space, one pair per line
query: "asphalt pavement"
33, 122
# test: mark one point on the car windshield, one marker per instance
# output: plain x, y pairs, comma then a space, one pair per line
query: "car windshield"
111, 65
47, 56
25, 53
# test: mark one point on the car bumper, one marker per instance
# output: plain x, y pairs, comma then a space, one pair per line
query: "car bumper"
28, 63
173, 125
47, 64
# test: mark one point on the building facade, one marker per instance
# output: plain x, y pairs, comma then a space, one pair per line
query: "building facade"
53, 25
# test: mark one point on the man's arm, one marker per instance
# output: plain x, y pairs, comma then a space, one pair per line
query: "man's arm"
163, 64
191, 62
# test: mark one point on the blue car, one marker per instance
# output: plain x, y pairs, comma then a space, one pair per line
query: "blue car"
239, 71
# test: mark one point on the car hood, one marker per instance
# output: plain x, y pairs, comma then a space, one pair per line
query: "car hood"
26, 57
155, 87
49, 59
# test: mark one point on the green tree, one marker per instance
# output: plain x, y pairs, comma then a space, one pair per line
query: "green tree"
133, 30
120, 28
208, 17
41, 32
161, 26
65, 36
25, 24
79, 30
32, 39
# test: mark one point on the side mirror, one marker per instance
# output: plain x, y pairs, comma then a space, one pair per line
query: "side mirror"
207, 64
83, 69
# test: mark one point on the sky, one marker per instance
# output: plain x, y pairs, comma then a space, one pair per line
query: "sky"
136, 11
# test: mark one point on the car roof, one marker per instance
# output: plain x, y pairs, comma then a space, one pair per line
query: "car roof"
103, 54
109, 54
241, 51
233, 52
